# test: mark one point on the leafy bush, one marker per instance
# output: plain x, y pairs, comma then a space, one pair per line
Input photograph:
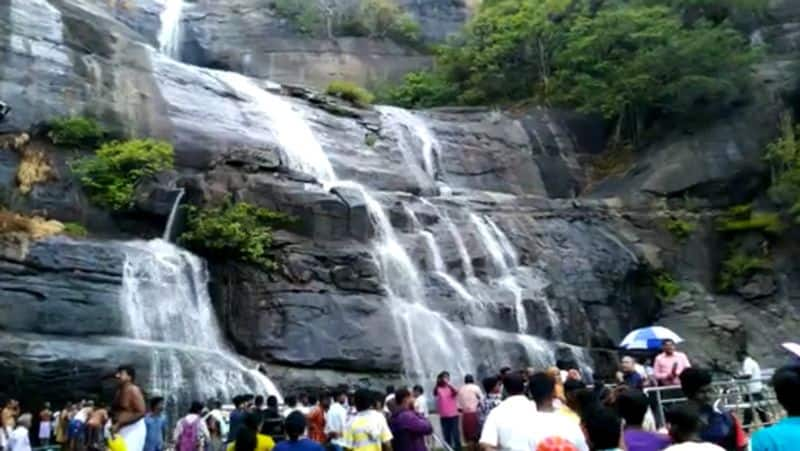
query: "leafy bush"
305, 15
680, 228
76, 132
422, 89
75, 229
350, 92
111, 175
784, 158
384, 19
234, 230
742, 218
738, 267
666, 287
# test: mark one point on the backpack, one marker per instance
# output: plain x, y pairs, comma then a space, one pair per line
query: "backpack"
188, 438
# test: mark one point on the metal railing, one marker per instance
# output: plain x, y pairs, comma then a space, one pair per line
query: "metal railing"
438, 439
733, 395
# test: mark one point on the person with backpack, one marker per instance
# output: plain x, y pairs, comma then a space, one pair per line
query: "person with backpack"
191, 432
719, 426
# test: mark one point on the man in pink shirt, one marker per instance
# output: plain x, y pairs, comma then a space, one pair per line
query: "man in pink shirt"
468, 398
670, 364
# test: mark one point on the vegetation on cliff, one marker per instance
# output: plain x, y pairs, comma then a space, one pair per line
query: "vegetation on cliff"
76, 132
111, 175
632, 62
350, 92
237, 230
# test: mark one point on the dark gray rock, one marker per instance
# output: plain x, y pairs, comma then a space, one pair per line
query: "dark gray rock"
759, 286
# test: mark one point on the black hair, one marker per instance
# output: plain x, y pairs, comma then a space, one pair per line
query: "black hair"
246, 437
155, 401
401, 395
489, 383
295, 425
272, 401
514, 384
693, 380
215, 404
469, 379
787, 387
363, 399
632, 407
312, 399
603, 428
419, 389
684, 422
667, 340
128, 369
259, 401
390, 389
196, 407
541, 387
505, 370
572, 385
291, 401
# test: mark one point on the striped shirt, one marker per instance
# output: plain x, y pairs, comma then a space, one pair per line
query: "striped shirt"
367, 431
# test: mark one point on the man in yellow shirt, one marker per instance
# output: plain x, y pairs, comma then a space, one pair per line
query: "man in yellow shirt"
368, 430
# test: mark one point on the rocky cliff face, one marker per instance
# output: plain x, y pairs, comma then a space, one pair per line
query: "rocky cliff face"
507, 265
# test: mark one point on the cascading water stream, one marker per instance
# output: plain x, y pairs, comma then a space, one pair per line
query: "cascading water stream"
168, 230
169, 36
167, 307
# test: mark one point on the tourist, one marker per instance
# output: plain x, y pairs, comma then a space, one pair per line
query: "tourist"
156, 424
368, 430
96, 426
603, 429
62, 423
572, 389
217, 413
408, 427
555, 374
388, 401
306, 404
316, 419
128, 410
216, 439
547, 423
632, 406
45, 425
272, 420
19, 439
191, 432
467, 399
447, 407
720, 427
248, 438
785, 435
336, 419
295, 427
751, 371
628, 374
670, 364
508, 426
9, 414
420, 401
684, 427
494, 396
237, 416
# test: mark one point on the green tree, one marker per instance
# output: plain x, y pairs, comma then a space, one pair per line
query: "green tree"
635, 64
784, 158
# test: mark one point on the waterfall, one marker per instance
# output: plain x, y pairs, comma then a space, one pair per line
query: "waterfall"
172, 214
303, 151
169, 36
409, 128
166, 306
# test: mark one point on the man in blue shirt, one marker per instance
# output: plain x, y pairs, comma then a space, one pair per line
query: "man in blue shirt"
156, 424
784, 436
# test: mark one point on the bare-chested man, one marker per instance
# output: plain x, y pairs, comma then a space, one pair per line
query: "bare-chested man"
128, 410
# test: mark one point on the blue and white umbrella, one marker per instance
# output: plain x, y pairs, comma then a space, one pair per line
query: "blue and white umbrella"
649, 338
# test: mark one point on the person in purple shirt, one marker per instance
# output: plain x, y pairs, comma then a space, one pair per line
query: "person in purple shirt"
409, 428
632, 406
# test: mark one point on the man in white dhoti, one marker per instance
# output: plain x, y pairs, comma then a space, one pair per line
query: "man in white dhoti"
128, 410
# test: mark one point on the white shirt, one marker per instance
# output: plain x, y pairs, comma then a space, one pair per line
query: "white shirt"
544, 425
19, 441
421, 406
335, 421
751, 368
221, 419
693, 446
508, 426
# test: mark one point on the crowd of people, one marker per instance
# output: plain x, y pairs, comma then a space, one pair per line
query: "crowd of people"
548, 409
